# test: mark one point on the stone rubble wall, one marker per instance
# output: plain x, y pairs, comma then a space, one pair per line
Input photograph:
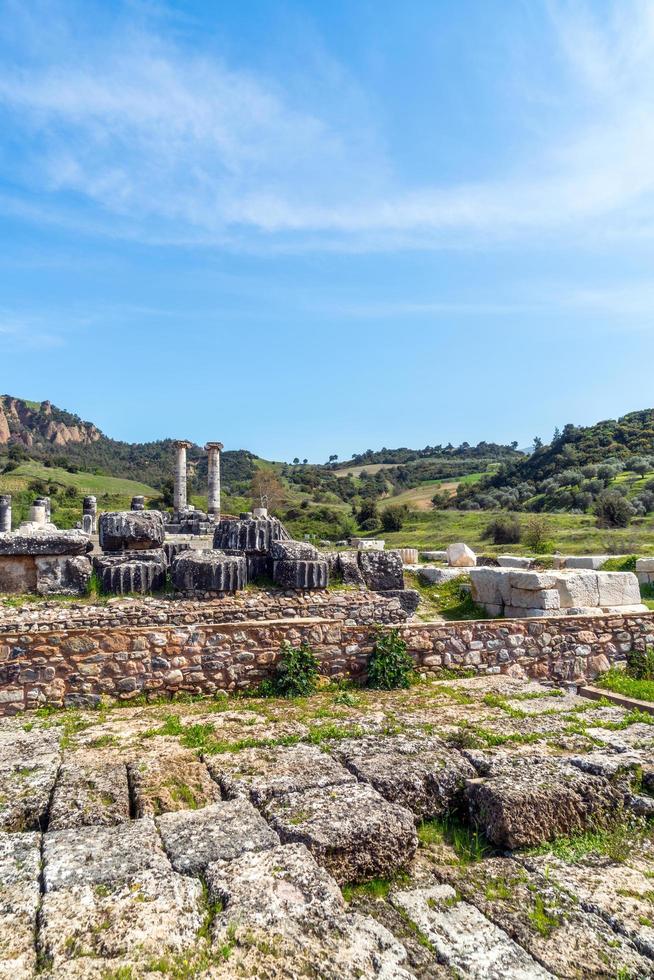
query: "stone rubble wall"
77, 667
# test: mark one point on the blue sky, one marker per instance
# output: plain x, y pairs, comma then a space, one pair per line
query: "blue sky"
314, 227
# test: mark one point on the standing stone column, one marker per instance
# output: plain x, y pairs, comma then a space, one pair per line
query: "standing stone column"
213, 466
138, 503
48, 509
90, 515
5, 513
38, 511
181, 445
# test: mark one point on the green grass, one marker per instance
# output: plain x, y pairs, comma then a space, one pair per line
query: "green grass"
468, 844
616, 843
450, 600
620, 683
84, 482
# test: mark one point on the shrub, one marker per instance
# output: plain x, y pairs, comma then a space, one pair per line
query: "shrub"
640, 664
504, 530
370, 525
536, 535
392, 518
390, 665
296, 673
613, 510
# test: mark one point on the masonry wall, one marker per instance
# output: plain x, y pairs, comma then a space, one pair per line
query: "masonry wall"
78, 666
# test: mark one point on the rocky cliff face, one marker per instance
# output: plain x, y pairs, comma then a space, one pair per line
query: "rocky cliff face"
33, 423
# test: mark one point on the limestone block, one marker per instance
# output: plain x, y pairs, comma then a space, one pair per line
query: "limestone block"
436, 576
529, 599
515, 561
487, 585
645, 565
593, 562
19, 902
618, 589
166, 781
421, 774
131, 530
523, 612
461, 556
577, 589
222, 831
299, 574
89, 792
381, 570
409, 599
350, 830
348, 566
293, 551
532, 580
368, 544
434, 555
44, 541
209, 571
263, 773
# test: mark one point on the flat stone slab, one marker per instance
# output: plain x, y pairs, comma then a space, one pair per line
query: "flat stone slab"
44, 542
263, 774
545, 919
89, 792
468, 942
436, 576
20, 857
350, 829
168, 781
102, 855
421, 774
220, 832
525, 800
26, 788
294, 917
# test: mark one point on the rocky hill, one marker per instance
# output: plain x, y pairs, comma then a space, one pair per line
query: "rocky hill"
41, 424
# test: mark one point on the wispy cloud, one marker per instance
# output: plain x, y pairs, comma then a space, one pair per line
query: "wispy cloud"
26, 333
169, 145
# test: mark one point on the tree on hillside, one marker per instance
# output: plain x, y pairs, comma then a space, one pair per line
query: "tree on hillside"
613, 510
267, 490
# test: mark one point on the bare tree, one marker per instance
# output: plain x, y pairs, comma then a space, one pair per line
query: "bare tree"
267, 489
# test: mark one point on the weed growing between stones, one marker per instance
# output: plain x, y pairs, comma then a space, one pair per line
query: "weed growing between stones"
617, 842
390, 666
296, 673
621, 683
469, 844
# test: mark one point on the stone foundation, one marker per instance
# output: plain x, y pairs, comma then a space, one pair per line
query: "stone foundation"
55, 664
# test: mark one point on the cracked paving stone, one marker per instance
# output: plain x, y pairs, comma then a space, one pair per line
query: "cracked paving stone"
165, 782
350, 829
20, 856
621, 894
290, 919
422, 775
546, 920
112, 896
268, 772
468, 942
26, 791
220, 832
525, 800
89, 792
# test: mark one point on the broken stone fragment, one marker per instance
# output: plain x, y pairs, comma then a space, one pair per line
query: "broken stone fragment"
293, 551
420, 774
222, 831
461, 556
265, 773
381, 570
131, 530
45, 542
350, 829
249, 534
132, 572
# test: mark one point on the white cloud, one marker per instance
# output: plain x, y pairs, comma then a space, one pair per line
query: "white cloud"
170, 145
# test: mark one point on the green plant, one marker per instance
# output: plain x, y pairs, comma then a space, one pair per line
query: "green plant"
622, 564
537, 535
392, 519
390, 666
640, 664
613, 510
297, 671
504, 530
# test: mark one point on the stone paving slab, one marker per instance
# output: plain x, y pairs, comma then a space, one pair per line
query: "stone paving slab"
269, 772
89, 792
621, 894
545, 919
20, 857
26, 790
294, 915
219, 832
422, 775
102, 855
350, 829
165, 780
469, 943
